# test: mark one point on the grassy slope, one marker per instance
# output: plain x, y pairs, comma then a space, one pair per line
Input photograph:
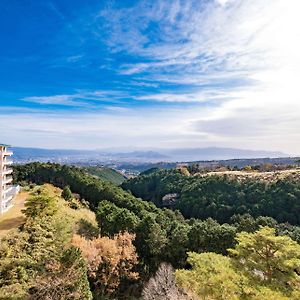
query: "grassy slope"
106, 174
39, 240
14, 217
72, 215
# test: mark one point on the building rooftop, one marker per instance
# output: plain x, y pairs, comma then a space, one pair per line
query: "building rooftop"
4, 145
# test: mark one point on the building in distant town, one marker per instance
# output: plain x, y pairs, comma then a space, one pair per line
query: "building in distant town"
7, 191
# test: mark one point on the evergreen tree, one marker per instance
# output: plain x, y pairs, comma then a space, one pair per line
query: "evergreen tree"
66, 193
267, 257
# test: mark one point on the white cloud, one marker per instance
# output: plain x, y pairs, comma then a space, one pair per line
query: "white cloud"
202, 37
194, 41
244, 52
69, 100
80, 99
199, 96
223, 2
144, 127
249, 49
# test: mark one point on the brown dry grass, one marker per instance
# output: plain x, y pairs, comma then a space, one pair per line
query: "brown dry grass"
268, 176
14, 217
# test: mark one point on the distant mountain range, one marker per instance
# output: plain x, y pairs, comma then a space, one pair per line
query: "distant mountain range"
214, 153
157, 155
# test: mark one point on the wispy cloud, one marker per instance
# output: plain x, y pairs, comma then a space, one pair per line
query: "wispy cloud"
200, 36
198, 97
174, 73
66, 100
81, 99
248, 50
192, 40
144, 127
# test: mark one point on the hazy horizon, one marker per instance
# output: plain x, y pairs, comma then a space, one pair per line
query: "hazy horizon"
105, 155
133, 149
165, 74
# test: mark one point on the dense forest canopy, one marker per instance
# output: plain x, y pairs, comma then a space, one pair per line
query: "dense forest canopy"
107, 174
162, 235
220, 197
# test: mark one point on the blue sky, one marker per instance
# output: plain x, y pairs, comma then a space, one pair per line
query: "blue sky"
143, 74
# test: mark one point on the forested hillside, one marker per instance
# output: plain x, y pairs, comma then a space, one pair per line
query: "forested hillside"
37, 260
160, 239
220, 197
106, 174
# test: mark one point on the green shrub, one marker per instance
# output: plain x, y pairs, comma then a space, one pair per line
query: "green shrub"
40, 206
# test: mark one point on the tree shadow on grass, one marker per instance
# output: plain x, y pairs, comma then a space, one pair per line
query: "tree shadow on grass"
11, 223
87, 229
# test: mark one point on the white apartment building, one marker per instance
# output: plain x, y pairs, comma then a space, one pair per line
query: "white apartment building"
7, 190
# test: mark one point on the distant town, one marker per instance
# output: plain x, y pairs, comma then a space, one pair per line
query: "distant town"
134, 162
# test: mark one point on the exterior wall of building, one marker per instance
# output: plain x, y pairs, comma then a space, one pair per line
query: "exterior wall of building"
6, 188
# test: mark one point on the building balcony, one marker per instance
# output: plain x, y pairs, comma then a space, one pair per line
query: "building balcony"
8, 198
6, 204
7, 179
7, 162
7, 153
7, 171
8, 190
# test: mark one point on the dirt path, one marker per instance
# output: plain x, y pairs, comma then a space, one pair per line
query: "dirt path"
14, 217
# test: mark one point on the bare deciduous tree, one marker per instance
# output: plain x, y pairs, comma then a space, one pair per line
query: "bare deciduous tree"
163, 286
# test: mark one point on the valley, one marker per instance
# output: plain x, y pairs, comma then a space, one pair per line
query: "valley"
72, 212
